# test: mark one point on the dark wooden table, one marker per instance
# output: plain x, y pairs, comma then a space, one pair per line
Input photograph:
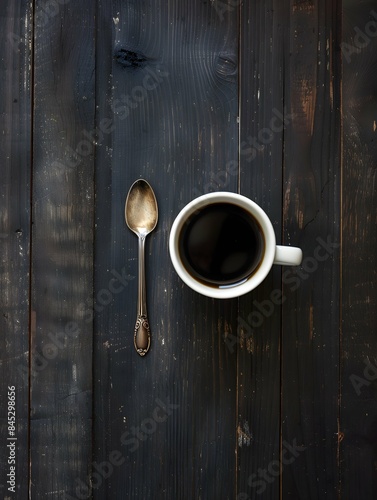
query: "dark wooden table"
269, 396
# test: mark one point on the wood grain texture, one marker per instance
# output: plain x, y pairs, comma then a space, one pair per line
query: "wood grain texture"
15, 178
358, 417
62, 263
262, 116
270, 396
170, 75
311, 194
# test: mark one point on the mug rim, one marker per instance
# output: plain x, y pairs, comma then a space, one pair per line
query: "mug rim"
265, 265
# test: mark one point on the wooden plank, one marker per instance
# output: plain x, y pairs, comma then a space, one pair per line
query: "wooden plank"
359, 297
311, 195
62, 263
15, 176
173, 90
263, 124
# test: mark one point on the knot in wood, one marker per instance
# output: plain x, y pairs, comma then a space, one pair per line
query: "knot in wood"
226, 66
130, 59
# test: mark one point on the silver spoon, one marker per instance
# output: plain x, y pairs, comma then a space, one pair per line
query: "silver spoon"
141, 213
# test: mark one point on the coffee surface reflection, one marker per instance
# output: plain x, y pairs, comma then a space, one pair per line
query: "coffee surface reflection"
221, 245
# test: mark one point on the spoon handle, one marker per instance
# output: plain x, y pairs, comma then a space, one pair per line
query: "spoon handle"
142, 333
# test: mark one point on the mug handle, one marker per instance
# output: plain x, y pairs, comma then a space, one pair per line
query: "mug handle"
288, 256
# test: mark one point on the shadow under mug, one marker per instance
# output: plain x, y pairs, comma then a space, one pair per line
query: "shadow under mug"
273, 254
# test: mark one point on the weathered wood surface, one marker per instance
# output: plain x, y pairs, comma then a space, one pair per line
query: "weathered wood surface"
311, 193
358, 411
62, 249
15, 182
269, 396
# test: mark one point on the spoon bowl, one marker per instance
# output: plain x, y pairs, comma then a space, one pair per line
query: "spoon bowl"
141, 211
141, 214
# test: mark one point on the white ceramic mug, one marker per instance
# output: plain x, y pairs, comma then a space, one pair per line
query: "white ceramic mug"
273, 254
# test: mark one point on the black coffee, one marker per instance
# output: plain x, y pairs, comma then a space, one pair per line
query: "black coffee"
221, 245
